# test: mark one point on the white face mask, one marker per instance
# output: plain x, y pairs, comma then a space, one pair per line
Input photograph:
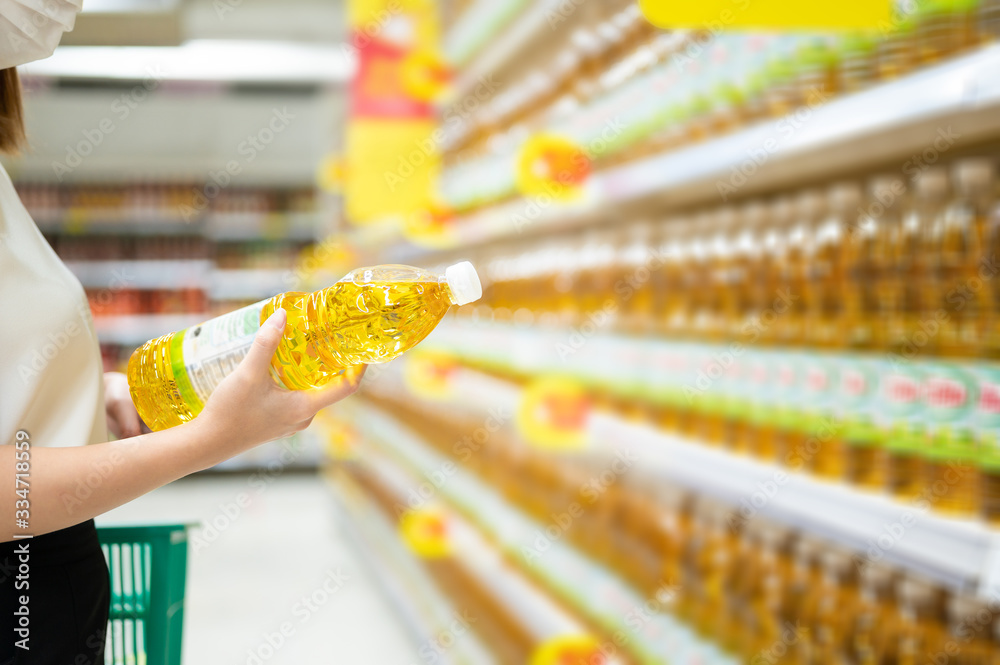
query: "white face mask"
31, 29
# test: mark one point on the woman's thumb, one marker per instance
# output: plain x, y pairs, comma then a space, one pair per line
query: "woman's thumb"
266, 341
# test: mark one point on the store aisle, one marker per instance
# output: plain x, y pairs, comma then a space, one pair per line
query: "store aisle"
270, 556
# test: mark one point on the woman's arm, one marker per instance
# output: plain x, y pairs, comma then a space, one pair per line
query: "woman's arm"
70, 485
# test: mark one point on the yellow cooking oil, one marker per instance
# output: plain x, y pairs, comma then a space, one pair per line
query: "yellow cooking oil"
369, 316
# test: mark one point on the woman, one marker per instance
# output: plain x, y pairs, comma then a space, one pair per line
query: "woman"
56, 407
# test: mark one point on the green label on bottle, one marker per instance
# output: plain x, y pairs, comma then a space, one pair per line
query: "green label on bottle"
181, 378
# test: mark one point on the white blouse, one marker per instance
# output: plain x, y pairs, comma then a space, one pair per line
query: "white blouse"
51, 374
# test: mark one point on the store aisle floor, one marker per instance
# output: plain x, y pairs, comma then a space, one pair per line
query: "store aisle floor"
269, 556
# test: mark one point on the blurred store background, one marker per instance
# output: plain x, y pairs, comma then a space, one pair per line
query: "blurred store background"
731, 394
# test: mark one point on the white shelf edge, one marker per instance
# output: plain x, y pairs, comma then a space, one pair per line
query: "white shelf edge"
423, 621
609, 599
546, 618
141, 273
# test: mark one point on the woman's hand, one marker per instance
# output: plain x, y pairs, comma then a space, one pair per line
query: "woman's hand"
123, 419
249, 407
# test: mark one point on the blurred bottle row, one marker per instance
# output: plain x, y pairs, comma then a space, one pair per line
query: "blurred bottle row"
124, 247
128, 301
661, 90
762, 591
918, 430
156, 201
250, 254
869, 265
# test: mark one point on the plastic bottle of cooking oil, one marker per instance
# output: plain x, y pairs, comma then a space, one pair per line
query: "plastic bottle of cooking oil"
876, 624
804, 580
896, 53
856, 70
809, 210
723, 289
957, 235
943, 28
900, 415
371, 315
970, 622
925, 275
836, 604
779, 262
969, 228
988, 21
825, 266
922, 620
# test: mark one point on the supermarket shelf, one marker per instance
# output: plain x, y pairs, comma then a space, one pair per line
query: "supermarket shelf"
962, 554
98, 224
878, 128
247, 284
599, 594
530, 24
538, 613
235, 227
136, 329
478, 26
424, 610
958, 553
165, 274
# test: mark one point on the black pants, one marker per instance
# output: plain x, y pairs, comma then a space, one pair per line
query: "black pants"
68, 598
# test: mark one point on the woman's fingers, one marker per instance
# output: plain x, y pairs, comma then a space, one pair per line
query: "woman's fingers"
124, 415
265, 343
338, 389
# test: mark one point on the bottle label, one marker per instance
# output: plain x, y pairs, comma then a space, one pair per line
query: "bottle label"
950, 393
988, 403
857, 385
212, 350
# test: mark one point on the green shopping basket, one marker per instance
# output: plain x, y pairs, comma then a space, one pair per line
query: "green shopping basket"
148, 566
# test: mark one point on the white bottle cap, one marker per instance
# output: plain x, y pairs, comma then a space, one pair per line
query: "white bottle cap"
464, 283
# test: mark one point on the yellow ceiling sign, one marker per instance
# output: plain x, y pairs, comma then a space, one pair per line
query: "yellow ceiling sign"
781, 14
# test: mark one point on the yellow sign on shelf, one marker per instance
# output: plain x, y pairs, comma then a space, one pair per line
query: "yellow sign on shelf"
569, 650
425, 532
553, 414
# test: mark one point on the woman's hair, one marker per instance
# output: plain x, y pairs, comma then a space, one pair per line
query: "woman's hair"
12, 137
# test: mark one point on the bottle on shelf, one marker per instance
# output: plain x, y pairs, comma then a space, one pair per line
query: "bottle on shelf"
953, 464
856, 68
674, 316
896, 52
970, 236
829, 222
370, 316
921, 619
970, 625
876, 622
944, 28
636, 265
919, 290
988, 21
836, 605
